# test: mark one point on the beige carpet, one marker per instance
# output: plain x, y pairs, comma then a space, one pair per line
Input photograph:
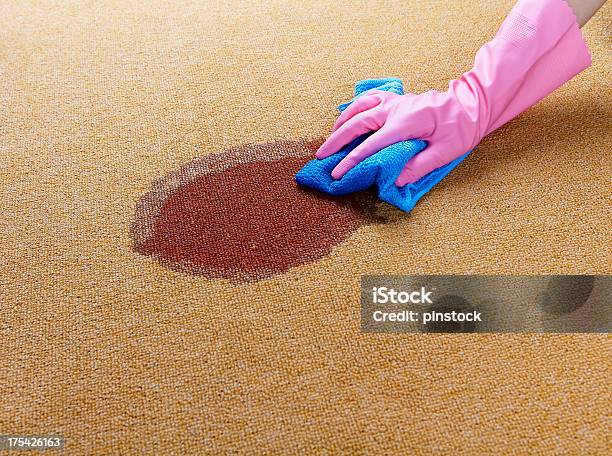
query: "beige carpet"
106, 108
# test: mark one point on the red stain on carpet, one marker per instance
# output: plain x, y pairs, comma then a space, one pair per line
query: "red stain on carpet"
241, 215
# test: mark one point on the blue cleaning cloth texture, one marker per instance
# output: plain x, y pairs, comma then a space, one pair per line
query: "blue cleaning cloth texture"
379, 170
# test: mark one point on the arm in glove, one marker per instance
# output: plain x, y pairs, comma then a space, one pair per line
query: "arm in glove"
537, 49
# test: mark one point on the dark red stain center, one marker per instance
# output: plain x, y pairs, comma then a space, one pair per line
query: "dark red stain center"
248, 219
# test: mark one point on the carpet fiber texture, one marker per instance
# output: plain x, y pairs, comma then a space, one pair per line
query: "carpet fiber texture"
145, 312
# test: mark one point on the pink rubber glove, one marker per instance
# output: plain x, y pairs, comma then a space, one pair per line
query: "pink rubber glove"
537, 49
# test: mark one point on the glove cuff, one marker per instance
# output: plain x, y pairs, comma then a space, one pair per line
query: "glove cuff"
539, 23
568, 57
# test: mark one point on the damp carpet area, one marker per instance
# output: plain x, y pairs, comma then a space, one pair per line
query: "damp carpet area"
166, 288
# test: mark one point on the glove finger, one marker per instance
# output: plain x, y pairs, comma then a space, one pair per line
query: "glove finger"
371, 145
361, 104
361, 124
423, 163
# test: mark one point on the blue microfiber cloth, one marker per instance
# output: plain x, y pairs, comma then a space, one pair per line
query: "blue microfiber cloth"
380, 169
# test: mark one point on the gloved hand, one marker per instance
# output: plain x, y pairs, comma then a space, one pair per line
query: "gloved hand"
512, 72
